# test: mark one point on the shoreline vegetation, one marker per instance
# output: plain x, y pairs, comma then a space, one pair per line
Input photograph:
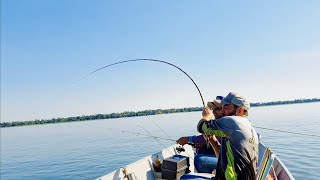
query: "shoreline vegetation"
139, 113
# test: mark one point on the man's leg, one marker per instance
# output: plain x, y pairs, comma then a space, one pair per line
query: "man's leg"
205, 163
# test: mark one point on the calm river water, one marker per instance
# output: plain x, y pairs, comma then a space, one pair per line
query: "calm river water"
87, 150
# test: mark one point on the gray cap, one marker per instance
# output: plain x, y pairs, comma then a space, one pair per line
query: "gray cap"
236, 99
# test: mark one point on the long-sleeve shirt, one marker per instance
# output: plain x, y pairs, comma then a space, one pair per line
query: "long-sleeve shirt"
205, 148
199, 139
239, 146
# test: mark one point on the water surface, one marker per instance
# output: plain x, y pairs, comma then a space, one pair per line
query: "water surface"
87, 150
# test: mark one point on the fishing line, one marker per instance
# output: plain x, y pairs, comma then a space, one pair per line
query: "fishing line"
159, 127
160, 61
151, 60
147, 135
165, 133
297, 133
156, 140
151, 136
277, 130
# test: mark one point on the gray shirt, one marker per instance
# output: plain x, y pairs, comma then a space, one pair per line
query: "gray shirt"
239, 146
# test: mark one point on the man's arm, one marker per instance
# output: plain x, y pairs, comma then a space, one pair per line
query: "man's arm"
218, 127
206, 116
214, 144
199, 139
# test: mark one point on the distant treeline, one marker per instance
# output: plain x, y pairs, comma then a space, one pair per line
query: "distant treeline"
138, 113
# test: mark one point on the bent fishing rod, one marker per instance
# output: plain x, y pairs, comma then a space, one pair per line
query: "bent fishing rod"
164, 62
151, 60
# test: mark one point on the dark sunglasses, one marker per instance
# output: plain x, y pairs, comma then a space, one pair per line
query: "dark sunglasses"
217, 109
219, 97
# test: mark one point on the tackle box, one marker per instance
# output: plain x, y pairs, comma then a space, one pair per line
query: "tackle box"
175, 166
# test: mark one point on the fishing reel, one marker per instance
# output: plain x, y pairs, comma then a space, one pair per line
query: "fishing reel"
180, 149
195, 145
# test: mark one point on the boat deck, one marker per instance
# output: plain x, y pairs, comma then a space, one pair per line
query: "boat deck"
269, 166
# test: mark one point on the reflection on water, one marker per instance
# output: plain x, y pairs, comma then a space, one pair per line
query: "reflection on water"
86, 150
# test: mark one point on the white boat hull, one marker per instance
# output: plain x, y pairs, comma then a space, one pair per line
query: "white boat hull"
143, 169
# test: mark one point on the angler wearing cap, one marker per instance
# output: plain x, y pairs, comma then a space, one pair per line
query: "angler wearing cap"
238, 154
205, 160
216, 107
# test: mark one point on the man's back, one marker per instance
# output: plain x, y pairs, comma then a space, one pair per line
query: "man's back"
239, 146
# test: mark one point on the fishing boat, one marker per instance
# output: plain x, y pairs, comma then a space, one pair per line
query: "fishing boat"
175, 161
269, 166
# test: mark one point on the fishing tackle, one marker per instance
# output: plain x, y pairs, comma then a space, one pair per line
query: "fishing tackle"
152, 60
155, 139
160, 61
289, 132
142, 134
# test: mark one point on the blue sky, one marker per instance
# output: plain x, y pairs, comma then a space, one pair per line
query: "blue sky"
266, 51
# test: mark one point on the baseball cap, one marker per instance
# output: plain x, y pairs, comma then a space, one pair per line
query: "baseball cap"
236, 99
214, 104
